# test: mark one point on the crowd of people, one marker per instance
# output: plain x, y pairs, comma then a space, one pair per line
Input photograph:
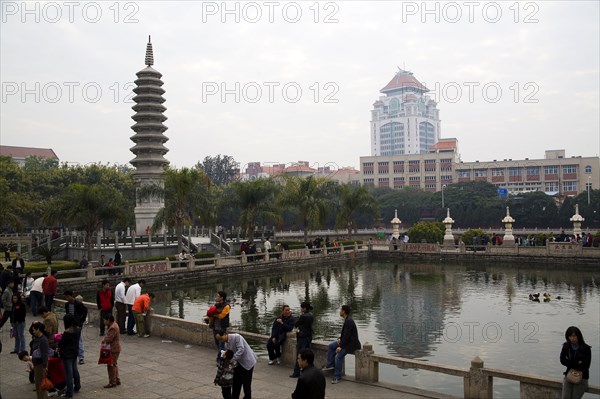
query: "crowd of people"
57, 355
124, 310
236, 359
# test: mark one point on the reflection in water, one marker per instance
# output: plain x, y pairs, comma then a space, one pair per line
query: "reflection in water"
443, 313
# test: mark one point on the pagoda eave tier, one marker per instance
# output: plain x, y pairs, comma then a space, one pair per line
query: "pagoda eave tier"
148, 144
149, 147
147, 161
150, 126
149, 71
149, 117
149, 97
156, 109
148, 88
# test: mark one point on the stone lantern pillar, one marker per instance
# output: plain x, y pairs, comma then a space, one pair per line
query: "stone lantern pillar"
577, 219
448, 236
508, 221
396, 225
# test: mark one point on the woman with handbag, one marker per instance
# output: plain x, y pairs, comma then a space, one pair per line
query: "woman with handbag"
576, 356
112, 338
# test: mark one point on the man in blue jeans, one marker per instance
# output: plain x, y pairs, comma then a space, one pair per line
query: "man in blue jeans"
348, 342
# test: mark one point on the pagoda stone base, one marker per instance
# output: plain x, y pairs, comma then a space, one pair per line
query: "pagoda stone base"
508, 241
144, 217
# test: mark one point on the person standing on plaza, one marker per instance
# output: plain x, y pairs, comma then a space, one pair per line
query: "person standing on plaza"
120, 305
113, 339
347, 343
79, 312
39, 356
18, 263
36, 295
311, 383
5, 276
225, 371
27, 286
7, 302
50, 288
105, 301
283, 324
68, 351
131, 295
220, 320
17, 320
118, 258
304, 334
576, 355
51, 324
267, 245
140, 309
246, 360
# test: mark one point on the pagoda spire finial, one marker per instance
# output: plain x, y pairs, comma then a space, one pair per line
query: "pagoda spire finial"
149, 53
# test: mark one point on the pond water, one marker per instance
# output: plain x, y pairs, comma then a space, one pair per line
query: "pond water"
445, 314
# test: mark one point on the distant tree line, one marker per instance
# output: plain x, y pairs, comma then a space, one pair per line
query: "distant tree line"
44, 193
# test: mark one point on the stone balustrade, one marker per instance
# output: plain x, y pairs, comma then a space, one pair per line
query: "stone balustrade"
477, 380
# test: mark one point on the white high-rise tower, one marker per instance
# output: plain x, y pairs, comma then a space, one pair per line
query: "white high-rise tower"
405, 120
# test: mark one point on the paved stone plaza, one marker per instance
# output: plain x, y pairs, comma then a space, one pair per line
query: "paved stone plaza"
150, 368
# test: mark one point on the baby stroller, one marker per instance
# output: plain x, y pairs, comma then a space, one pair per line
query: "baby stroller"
56, 374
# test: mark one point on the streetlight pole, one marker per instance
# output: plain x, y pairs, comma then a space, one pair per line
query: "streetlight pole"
589, 185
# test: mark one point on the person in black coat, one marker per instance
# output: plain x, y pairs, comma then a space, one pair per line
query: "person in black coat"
304, 335
348, 342
311, 384
283, 324
79, 312
68, 350
575, 354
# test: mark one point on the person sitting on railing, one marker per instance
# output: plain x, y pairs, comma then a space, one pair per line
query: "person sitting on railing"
283, 324
83, 264
251, 252
348, 342
183, 258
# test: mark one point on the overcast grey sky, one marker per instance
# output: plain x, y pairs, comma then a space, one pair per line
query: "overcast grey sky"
512, 78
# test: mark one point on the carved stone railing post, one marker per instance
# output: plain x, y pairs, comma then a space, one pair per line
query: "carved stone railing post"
480, 385
365, 368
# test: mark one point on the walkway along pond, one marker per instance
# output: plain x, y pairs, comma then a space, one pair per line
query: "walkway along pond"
409, 313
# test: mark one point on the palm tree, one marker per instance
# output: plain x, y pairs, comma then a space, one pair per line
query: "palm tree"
310, 196
185, 193
86, 207
256, 201
353, 199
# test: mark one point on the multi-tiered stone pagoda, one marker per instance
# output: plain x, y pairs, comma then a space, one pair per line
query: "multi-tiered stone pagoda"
149, 139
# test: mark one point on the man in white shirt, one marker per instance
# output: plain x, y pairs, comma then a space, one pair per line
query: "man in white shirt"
130, 296
267, 245
36, 296
120, 305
